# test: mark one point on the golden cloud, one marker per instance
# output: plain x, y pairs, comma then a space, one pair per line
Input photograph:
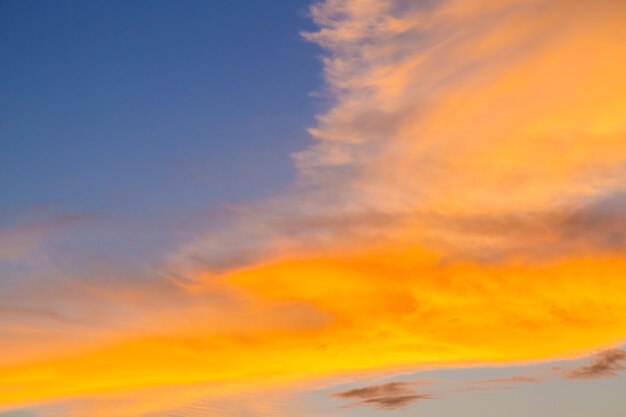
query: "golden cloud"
457, 129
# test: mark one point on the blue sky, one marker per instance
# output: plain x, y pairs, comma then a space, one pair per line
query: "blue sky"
129, 115
129, 107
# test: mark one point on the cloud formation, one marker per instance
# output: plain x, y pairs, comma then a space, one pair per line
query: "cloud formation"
499, 383
387, 389
513, 379
391, 403
387, 396
21, 238
473, 128
460, 202
605, 364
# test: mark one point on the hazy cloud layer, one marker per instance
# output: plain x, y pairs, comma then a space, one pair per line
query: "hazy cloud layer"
21, 237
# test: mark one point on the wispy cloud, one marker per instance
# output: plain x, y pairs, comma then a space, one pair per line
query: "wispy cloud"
436, 111
391, 403
507, 380
499, 383
21, 241
605, 364
399, 394
388, 396
34, 312
388, 389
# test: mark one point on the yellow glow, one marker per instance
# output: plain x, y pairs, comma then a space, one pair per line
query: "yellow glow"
372, 310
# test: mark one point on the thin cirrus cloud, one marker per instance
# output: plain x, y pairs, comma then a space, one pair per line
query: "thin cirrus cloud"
21, 241
501, 383
513, 379
462, 138
400, 394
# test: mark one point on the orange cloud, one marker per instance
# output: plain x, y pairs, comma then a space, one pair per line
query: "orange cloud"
457, 129
315, 316
447, 109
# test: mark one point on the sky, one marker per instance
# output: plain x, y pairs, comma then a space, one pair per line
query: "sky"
312, 208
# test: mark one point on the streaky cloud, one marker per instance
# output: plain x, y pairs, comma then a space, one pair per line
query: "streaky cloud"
605, 364
389, 396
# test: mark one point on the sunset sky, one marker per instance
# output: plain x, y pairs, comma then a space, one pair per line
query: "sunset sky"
312, 208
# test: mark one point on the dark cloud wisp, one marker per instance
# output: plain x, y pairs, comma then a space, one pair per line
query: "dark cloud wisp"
604, 364
387, 396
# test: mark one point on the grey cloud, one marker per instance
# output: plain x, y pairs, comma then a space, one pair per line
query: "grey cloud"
604, 364
391, 403
388, 396
599, 226
390, 388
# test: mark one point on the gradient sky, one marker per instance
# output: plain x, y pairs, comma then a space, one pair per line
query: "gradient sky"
312, 208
